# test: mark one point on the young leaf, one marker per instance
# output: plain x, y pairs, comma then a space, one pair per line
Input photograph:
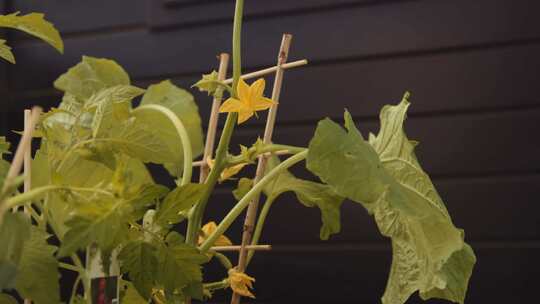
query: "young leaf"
35, 25
5, 52
183, 105
14, 234
429, 254
178, 200
310, 194
91, 75
208, 83
38, 276
244, 185
139, 260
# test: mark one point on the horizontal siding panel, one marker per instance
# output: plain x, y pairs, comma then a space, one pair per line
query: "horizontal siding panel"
80, 16
486, 208
438, 82
166, 13
355, 33
360, 276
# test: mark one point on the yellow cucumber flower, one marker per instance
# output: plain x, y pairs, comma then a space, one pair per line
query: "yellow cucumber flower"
250, 99
241, 283
208, 229
227, 172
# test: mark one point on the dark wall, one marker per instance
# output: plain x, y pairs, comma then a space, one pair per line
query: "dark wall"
473, 68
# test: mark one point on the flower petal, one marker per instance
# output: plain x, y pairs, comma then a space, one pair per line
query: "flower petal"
256, 90
244, 115
231, 171
263, 103
231, 105
240, 282
242, 90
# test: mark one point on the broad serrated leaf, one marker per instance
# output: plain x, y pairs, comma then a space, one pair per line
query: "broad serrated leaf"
90, 76
134, 139
14, 234
183, 105
38, 275
35, 25
4, 146
179, 266
180, 199
139, 260
5, 52
310, 194
429, 254
100, 222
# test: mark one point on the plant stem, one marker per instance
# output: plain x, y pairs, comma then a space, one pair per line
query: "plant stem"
182, 133
271, 148
74, 289
260, 224
243, 203
71, 267
224, 260
195, 218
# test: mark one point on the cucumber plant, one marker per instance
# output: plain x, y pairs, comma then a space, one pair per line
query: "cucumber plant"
92, 190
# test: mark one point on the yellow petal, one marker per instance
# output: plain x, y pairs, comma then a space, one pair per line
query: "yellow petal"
242, 90
208, 229
231, 105
244, 115
263, 103
231, 171
240, 283
256, 90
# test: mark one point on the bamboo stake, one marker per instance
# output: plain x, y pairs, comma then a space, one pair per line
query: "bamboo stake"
212, 123
27, 169
270, 122
238, 248
24, 144
286, 66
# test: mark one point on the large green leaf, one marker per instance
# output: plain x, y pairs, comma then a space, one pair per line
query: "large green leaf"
310, 194
91, 75
183, 105
429, 254
35, 25
180, 199
14, 233
131, 296
38, 276
5, 51
139, 260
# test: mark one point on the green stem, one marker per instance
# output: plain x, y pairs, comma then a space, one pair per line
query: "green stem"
260, 224
74, 289
271, 148
184, 137
37, 192
224, 260
217, 285
196, 214
244, 202
71, 267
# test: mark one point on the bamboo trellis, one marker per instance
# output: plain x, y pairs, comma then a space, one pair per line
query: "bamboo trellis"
251, 214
